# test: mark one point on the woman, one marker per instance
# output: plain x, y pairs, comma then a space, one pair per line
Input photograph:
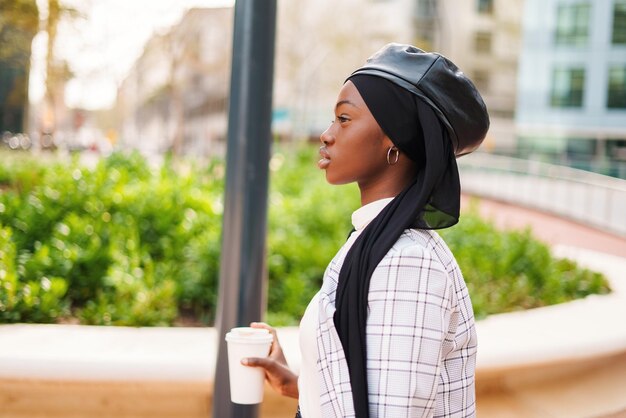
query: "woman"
391, 332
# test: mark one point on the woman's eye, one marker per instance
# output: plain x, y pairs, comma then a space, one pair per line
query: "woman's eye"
342, 119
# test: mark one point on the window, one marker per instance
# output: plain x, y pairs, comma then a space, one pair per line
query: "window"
482, 42
485, 6
572, 26
616, 149
425, 23
426, 9
619, 23
568, 85
617, 88
481, 80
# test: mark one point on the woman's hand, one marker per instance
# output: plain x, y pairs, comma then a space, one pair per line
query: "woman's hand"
277, 372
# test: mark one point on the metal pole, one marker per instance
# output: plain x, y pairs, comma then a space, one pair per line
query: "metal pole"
243, 274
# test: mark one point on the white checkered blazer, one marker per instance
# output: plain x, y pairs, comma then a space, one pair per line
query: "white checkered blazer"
421, 339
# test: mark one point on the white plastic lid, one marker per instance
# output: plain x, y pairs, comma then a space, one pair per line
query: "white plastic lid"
249, 335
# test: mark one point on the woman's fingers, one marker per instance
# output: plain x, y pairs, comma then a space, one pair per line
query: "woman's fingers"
276, 351
265, 363
278, 375
263, 325
272, 330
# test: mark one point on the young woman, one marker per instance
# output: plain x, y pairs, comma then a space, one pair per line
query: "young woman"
391, 332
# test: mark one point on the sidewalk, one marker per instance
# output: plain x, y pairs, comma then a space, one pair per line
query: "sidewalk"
561, 361
549, 228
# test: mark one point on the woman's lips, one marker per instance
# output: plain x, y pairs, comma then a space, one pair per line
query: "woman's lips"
325, 161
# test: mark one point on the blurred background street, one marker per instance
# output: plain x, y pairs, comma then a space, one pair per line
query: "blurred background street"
113, 140
89, 75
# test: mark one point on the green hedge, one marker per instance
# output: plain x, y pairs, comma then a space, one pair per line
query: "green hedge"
512, 270
125, 244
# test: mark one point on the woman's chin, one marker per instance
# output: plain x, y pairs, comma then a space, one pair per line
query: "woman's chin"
330, 179
334, 180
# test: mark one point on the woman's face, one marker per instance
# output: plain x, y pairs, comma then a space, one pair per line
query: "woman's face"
355, 147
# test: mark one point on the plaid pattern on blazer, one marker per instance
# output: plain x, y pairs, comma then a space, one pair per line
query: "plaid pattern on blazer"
421, 339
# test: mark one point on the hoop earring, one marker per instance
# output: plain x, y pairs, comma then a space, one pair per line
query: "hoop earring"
397, 157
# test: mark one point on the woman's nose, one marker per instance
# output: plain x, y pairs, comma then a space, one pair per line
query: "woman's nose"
326, 137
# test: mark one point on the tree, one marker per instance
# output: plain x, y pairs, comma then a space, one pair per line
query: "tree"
19, 21
57, 71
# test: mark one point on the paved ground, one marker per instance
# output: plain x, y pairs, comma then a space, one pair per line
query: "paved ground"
550, 228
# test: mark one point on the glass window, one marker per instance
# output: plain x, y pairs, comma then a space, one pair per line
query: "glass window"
619, 22
572, 26
485, 6
481, 80
425, 23
568, 85
617, 88
426, 9
482, 42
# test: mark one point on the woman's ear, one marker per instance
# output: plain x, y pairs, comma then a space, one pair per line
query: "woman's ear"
387, 142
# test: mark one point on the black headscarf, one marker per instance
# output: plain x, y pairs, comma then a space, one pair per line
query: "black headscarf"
430, 201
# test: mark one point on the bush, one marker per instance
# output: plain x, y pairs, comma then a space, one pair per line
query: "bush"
511, 270
125, 244
28, 299
308, 222
120, 244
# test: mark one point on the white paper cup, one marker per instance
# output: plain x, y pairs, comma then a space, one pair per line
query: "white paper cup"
246, 383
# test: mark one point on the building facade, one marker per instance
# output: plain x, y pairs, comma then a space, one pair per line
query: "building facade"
166, 99
318, 45
483, 37
174, 98
572, 84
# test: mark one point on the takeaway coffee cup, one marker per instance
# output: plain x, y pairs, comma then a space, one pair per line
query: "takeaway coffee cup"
246, 383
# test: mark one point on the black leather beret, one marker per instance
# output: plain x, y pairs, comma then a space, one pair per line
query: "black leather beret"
440, 83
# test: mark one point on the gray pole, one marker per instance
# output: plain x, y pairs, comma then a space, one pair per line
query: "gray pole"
242, 268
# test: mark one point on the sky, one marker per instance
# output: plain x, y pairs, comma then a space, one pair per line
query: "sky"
102, 45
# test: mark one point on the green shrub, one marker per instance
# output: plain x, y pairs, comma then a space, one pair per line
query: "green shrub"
125, 244
512, 270
308, 221
118, 244
29, 298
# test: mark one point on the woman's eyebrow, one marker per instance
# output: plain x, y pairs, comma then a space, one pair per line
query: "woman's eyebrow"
341, 102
